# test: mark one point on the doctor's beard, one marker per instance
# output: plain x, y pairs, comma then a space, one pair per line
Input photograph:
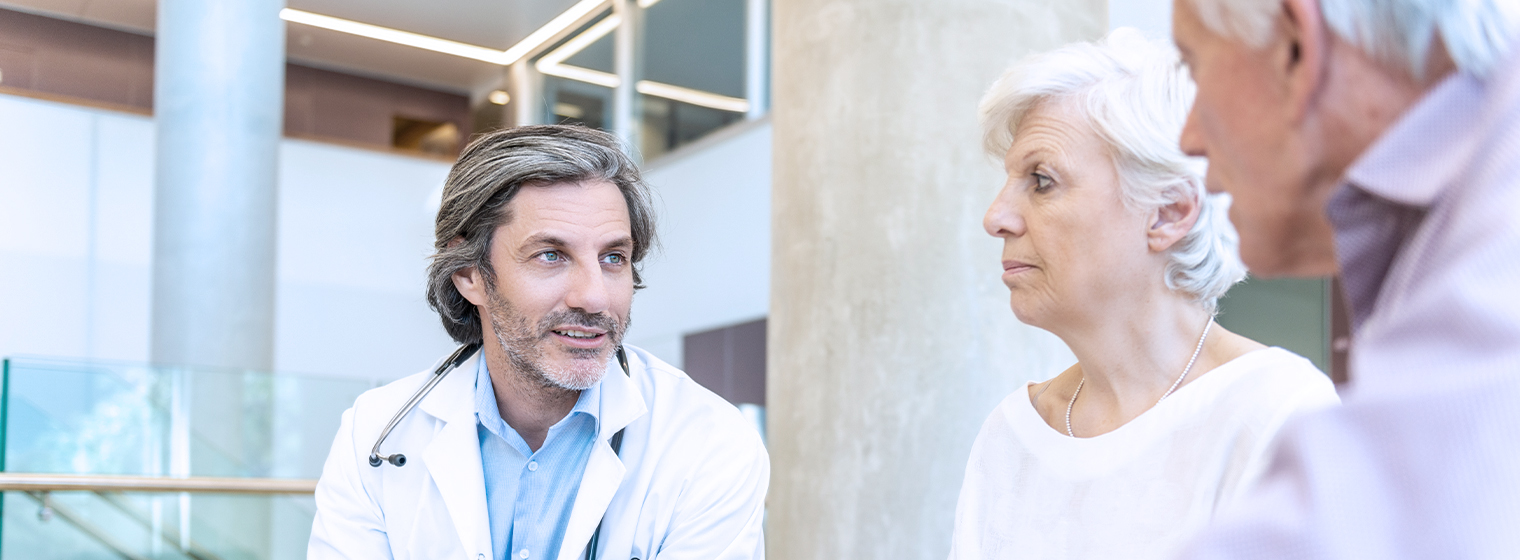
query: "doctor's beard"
524, 344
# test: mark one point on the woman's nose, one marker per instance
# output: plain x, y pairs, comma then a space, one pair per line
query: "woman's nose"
1003, 218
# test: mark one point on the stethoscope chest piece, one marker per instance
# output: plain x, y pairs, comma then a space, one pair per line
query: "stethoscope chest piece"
448, 365
397, 459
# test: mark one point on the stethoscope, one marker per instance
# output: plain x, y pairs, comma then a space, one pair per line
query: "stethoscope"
450, 364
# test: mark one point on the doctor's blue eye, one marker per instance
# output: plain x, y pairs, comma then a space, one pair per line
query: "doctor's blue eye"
615, 258
549, 256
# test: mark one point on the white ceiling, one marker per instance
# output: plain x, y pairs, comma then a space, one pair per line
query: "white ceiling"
489, 23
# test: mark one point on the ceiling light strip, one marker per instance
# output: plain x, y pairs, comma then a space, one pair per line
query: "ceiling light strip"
394, 36
571, 18
594, 77
693, 96
577, 44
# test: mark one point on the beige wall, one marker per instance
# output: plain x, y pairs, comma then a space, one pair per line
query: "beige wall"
890, 336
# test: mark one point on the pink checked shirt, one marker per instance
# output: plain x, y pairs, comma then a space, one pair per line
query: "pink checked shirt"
1423, 459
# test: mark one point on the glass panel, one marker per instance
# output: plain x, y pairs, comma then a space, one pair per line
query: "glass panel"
692, 73
117, 525
596, 56
131, 419
671, 124
573, 102
696, 45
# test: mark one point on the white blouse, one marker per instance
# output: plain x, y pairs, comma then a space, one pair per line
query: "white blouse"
1136, 492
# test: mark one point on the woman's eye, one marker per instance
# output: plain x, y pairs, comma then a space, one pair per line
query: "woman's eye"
1041, 182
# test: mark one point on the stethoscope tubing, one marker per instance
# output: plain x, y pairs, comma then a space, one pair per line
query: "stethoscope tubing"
458, 357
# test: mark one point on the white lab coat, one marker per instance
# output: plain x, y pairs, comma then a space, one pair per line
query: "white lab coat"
690, 482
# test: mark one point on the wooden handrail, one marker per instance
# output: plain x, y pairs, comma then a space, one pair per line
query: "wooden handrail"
36, 482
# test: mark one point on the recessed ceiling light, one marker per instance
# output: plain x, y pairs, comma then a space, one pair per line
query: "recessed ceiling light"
499, 97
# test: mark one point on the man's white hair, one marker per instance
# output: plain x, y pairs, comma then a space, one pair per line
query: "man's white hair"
1135, 95
1478, 34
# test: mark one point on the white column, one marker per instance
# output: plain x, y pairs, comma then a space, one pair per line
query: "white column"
527, 94
219, 91
890, 336
757, 45
627, 63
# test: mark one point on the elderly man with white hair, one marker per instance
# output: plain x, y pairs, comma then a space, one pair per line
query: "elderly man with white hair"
1380, 139
1111, 243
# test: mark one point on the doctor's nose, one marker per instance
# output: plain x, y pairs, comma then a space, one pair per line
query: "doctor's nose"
589, 289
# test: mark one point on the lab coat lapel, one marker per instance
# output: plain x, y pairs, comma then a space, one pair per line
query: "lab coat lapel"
453, 457
622, 403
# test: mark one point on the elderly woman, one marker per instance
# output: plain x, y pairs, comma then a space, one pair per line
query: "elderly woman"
1111, 242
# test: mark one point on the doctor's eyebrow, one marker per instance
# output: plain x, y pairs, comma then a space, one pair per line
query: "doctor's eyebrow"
551, 240
544, 239
624, 242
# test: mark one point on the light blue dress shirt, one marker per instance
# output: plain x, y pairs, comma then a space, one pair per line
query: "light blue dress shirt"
529, 494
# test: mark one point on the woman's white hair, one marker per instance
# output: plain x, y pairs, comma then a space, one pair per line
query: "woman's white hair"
1478, 34
1135, 95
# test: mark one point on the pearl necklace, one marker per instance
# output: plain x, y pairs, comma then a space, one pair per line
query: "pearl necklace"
1168, 392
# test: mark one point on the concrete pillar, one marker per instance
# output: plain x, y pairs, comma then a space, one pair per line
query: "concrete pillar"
218, 97
890, 337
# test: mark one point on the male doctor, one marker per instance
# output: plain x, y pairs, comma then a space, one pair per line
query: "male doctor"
542, 444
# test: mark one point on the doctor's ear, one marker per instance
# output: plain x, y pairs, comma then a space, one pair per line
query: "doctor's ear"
470, 284
1173, 220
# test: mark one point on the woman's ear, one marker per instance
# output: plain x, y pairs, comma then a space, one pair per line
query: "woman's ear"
1173, 220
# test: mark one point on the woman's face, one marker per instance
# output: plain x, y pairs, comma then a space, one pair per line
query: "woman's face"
1071, 248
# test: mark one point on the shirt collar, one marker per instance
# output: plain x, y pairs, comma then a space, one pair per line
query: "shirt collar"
1415, 158
488, 414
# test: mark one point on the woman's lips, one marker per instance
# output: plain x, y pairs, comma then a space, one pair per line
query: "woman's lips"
1011, 267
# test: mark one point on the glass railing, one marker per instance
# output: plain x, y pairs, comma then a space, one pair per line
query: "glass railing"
249, 445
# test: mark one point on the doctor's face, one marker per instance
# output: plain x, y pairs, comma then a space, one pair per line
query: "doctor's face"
563, 282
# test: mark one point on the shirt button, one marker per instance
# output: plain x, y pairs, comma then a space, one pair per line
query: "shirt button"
523, 554
532, 466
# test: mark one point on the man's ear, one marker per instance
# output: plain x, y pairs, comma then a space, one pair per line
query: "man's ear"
1301, 48
470, 284
468, 280
1172, 221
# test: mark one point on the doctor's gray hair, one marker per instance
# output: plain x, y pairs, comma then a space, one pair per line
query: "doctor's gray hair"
1135, 96
1478, 34
490, 173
